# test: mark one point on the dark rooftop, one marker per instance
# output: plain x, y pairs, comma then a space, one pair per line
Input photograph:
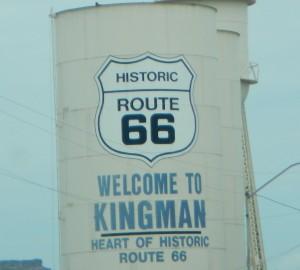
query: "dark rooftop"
22, 265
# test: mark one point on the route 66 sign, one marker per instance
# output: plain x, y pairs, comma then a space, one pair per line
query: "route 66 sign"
145, 109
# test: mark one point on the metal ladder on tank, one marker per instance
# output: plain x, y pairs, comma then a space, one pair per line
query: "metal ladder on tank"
255, 248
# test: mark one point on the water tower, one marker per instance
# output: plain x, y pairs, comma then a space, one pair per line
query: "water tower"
152, 144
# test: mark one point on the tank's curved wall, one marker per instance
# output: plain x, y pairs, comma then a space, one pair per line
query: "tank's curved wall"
86, 41
228, 81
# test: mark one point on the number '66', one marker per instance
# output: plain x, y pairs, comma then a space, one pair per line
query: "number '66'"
138, 134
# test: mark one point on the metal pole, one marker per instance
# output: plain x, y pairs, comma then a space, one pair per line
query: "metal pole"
272, 179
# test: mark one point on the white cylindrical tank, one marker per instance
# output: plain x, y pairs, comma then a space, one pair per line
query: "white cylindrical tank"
149, 129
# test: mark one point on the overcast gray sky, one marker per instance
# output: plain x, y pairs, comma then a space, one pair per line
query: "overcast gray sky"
273, 109
27, 144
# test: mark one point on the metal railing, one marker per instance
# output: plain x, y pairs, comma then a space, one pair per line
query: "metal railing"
251, 75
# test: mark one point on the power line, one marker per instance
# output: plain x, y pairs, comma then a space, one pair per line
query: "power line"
99, 153
284, 253
279, 203
274, 178
54, 119
59, 121
52, 133
96, 152
19, 178
273, 257
36, 184
279, 216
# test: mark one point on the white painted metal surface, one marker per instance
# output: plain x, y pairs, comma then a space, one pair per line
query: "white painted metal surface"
187, 58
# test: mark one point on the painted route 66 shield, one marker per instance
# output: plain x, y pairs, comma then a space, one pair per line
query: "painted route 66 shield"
145, 109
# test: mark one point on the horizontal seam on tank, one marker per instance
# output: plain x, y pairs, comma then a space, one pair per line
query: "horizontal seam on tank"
207, 105
130, 55
85, 156
123, 198
235, 21
136, 4
109, 155
218, 248
231, 127
234, 223
238, 173
202, 152
188, 3
67, 109
237, 80
65, 254
233, 174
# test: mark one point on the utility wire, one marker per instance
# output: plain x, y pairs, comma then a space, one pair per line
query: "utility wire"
102, 154
54, 119
92, 150
274, 178
60, 121
99, 153
274, 257
64, 193
11, 175
278, 202
33, 183
52, 133
284, 253
19, 178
